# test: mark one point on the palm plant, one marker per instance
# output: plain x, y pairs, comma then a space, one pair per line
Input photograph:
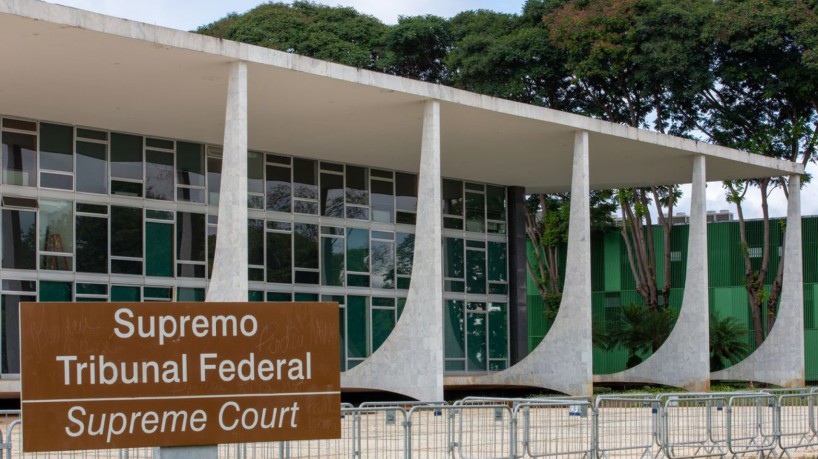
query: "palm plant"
728, 343
642, 330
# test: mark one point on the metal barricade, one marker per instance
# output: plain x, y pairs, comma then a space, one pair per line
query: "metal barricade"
795, 422
626, 426
555, 428
693, 424
14, 438
751, 424
461, 431
431, 431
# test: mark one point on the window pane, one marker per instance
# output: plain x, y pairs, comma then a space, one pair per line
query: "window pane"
452, 197
495, 203
190, 164
56, 147
476, 268
454, 330
190, 236
124, 293
332, 195
383, 322
190, 294
255, 172
126, 232
19, 159
383, 265
56, 181
306, 246
57, 234
305, 178
92, 168
10, 313
358, 250
332, 263
214, 179
383, 201
19, 239
476, 323
498, 331
497, 261
406, 191
279, 258
475, 212
357, 189
159, 175
356, 326
405, 252
126, 156
279, 193
54, 291
92, 244
453, 258
159, 249
255, 242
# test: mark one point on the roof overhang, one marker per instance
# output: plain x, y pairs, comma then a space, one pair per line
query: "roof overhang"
68, 65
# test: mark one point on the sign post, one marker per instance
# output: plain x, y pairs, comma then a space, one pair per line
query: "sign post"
126, 375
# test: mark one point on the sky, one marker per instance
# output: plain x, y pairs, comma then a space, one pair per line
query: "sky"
189, 14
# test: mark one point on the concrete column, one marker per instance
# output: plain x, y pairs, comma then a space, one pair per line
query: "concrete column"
517, 274
229, 280
684, 358
563, 359
410, 361
780, 358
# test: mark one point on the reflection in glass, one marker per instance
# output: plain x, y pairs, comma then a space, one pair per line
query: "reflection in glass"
476, 331
279, 189
159, 175
305, 242
19, 159
56, 147
126, 156
214, 179
190, 164
455, 330
190, 236
279, 258
357, 190
92, 244
476, 271
358, 250
452, 197
10, 305
57, 234
19, 239
475, 212
383, 201
255, 242
332, 261
383, 265
92, 167
305, 179
332, 195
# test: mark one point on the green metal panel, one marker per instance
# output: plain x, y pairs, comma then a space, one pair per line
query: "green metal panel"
612, 261
811, 350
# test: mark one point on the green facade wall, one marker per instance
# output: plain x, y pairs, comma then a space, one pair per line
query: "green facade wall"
613, 284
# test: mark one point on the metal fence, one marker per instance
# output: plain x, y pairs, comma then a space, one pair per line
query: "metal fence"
769, 423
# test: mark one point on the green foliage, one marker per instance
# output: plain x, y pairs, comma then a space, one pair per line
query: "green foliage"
417, 47
642, 330
728, 342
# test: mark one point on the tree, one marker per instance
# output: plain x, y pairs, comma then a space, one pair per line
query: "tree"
728, 343
642, 330
336, 34
416, 47
762, 98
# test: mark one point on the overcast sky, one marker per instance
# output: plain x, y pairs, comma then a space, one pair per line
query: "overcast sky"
189, 14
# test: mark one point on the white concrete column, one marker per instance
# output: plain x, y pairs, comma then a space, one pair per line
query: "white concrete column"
684, 358
229, 280
563, 360
780, 358
410, 361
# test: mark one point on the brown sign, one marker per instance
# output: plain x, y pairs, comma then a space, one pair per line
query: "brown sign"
123, 375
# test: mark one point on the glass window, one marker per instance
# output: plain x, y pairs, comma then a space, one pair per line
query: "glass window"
190, 294
495, 203
126, 239
455, 330
357, 190
126, 156
452, 197
56, 147
214, 177
305, 178
358, 250
125, 293
255, 242
475, 212
19, 159
498, 331
56, 235
92, 244
305, 239
255, 179
279, 258
159, 249
279, 188
383, 322
476, 269
55, 291
497, 261
92, 167
405, 253
406, 197
357, 326
159, 175
476, 331
19, 239
332, 263
190, 164
10, 305
190, 236
332, 195
383, 265
383, 201
453, 258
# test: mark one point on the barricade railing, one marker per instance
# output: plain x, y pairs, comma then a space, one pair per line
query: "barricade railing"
693, 424
470, 431
795, 422
555, 428
751, 424
627, 426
